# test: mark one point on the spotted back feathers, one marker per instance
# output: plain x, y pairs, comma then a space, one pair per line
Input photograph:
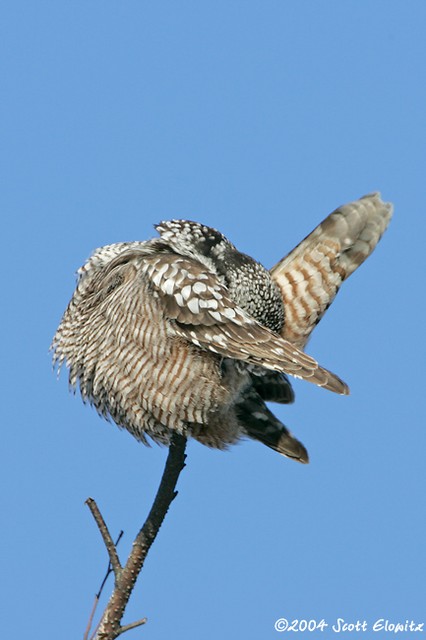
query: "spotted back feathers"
185, 333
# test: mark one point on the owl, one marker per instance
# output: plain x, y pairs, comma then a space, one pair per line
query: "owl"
184, 333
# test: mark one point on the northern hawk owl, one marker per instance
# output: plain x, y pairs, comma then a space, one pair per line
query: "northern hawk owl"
185, 333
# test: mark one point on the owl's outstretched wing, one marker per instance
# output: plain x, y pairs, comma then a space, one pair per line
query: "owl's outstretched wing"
310, 276
203, 313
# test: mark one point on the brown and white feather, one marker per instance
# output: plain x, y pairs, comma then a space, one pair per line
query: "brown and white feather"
310, 276
184, 333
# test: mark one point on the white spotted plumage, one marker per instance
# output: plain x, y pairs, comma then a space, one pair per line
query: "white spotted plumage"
183, 332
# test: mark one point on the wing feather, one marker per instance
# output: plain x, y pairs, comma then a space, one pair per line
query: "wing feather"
203, 313
310, 276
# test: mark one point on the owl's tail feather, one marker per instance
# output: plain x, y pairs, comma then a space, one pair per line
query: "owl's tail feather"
259, 423
310, 276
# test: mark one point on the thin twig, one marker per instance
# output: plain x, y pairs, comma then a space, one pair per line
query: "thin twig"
132, 625
92, 615
125, 577
109, 569
98, 595
106, 536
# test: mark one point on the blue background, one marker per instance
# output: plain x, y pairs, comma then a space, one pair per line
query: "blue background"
258, 118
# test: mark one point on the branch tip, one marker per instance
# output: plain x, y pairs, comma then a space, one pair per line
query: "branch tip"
132, 625
106, 536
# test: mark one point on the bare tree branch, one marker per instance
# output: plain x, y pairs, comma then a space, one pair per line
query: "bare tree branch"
109, 569
92, 615
125, 577
101, 588
106, 536
132, 625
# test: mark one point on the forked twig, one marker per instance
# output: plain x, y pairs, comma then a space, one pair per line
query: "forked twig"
101, 588
106, 536
110, 627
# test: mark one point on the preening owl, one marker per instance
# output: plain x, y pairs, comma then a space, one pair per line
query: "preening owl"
185, 333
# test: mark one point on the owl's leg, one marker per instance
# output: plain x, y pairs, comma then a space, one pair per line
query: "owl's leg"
260, 424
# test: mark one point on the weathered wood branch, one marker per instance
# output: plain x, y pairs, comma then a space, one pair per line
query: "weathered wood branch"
110, 626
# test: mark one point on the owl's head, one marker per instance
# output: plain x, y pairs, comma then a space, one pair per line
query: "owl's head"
249, 283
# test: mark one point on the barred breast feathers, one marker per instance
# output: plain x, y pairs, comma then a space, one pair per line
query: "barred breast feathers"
185, 333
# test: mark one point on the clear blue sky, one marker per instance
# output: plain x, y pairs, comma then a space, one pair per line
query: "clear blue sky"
258, 118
